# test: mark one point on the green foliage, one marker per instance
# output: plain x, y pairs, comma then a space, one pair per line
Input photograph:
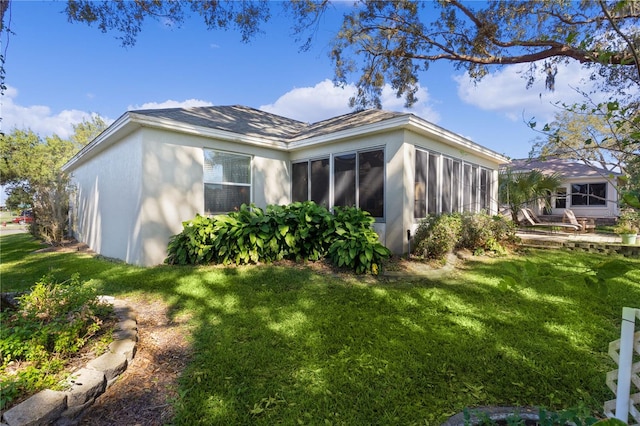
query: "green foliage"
482, 232
53, 321
437, 235
479, 232
579, 416
298, 231
415, 352
516, 189
356, 244
628, 222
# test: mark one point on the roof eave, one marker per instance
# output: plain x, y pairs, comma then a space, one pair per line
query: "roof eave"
403, 122
123, 126
182, 127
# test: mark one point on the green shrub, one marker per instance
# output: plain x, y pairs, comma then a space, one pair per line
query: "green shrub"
52, 322
482, 232
355, 244
298, 231
193, 245
476, 232
437, 236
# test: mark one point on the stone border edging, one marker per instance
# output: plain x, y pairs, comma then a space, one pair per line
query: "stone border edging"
478, 415
84, 386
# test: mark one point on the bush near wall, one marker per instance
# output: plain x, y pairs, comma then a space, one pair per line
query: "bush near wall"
438, 235
298, 231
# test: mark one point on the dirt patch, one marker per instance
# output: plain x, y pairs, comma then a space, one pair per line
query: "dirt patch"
143, 394
66, 246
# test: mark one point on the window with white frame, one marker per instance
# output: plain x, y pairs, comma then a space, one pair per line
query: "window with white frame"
227, 181
561, 198
589, 194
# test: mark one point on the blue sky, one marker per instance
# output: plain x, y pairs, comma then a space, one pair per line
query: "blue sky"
58, 73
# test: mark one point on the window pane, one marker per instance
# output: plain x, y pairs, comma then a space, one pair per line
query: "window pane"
561, 198
225, 198
447, 170
474, 189
455, 187
484, 189
420, 188
432, 185
220, 167
579, 194
320, 182
598, 194
344, 170
300, 182
371, 182
466, 189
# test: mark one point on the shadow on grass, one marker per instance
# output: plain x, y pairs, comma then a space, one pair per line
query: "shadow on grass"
288, 345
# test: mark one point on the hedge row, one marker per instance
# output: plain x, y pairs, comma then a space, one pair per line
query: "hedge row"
298, 231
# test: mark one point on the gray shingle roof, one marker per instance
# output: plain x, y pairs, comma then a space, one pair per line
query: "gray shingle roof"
237, 119
253, 122
566, 168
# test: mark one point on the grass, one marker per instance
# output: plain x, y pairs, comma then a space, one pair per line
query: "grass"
280, 345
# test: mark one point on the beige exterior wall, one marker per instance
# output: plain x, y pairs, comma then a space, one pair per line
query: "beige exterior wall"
107, 201
143, 188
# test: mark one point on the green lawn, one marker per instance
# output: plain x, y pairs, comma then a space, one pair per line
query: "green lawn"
277, 345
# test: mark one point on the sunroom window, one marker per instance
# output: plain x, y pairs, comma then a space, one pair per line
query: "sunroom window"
310, 181
358, 180
227, 181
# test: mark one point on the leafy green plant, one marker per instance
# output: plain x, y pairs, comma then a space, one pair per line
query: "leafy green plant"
485, 233
356, 245
628, 222
437, 235
52, 322
298, 231
579, 416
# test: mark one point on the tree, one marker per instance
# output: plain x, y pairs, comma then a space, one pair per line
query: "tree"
393, 41
87, 130
30, 167
517, 190
593, 135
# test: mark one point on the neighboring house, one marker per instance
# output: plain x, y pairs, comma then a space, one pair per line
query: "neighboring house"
153, 169
586, 190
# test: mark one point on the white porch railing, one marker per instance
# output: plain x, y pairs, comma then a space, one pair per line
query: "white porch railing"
627, 404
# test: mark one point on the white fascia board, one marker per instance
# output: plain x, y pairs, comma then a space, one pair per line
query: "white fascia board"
181, 127
116, 131
368, 129
453, 139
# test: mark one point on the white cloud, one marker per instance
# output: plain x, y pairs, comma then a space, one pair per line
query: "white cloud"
325, 100
38, 118
505, 92
170, 104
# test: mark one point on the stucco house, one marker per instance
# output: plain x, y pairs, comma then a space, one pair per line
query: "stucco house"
153, 169
587, 190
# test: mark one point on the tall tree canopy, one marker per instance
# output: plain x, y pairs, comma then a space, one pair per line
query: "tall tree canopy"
30, 168
393, 41
598, 134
